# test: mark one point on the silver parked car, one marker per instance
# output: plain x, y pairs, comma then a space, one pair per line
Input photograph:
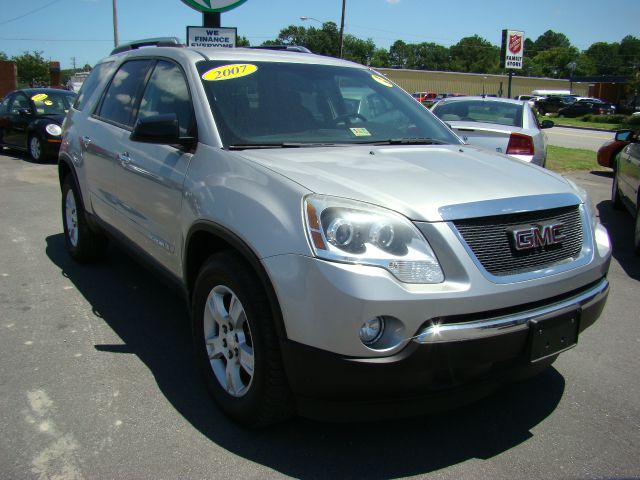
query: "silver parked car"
498, 124
625, 192
342, 252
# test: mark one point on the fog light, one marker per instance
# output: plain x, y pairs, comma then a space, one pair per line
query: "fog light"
371, 330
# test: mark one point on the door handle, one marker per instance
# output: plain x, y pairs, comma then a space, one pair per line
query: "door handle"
124, 159
86, 141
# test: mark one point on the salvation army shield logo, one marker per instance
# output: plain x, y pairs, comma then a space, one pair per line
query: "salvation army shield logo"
515, 43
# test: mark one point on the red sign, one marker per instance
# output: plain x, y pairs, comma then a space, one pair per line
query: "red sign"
515, 43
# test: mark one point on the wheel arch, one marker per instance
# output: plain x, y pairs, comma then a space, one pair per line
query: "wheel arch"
207, 238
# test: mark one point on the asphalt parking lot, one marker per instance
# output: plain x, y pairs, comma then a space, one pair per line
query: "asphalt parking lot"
97, 379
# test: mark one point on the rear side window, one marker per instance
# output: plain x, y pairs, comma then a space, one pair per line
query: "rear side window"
167, 92
90, 84
120, 98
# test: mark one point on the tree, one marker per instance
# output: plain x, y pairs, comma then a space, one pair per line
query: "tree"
380, 58
3, 56
242, 41
475, 54
358, 50
548, 40
606, 58
323, 41
399, 55
32, 68
428, 56
555, 61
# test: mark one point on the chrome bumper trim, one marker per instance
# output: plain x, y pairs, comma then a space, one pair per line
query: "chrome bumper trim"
509, 323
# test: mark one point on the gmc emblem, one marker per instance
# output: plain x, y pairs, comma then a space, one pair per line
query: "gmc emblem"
526, 237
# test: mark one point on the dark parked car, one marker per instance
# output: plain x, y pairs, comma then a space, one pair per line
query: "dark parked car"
585, 107
553, 103
31, 120
625, 191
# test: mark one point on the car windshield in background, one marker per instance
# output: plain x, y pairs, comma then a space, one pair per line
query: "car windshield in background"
53, 103
501, 113
265, 104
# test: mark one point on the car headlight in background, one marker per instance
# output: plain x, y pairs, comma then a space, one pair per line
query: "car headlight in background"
347, 231
53, 129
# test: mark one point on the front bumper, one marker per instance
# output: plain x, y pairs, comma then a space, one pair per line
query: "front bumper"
458, 364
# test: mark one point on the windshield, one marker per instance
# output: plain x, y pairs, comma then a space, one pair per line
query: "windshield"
501, 113
53, 103
269, 103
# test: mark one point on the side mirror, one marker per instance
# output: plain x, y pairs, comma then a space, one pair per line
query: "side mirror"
160, 129
624, 135
547, 124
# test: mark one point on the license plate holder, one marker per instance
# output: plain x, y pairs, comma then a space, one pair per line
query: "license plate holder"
553, 334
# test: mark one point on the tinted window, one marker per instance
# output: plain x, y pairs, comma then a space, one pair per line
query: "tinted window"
167, 92
53, 103
502, 113
126, 86
90, 84
20, 101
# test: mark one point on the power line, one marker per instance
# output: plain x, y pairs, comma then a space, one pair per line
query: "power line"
29, 13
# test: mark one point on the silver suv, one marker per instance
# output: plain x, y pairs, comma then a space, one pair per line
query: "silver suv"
343, 253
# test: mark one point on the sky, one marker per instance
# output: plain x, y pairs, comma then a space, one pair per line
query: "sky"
81, 31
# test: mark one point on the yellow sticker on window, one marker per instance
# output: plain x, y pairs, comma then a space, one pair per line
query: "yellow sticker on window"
360, 132
39, 97
48, 103
228, 72
382, 80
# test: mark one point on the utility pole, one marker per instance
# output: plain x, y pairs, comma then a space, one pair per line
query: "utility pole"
115, 24
342, 28
211, 19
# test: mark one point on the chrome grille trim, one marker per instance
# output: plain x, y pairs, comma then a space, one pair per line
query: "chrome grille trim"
504, 266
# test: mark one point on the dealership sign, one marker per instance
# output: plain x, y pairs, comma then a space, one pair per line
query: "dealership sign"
211, 37
207, 6
512, 51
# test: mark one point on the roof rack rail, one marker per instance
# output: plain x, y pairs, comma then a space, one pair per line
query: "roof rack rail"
289, 48
148, 42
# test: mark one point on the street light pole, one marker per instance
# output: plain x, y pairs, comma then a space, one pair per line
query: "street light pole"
115, 24
342, 28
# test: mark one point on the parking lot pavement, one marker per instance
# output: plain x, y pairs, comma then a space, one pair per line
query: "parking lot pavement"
97, 380
577, 138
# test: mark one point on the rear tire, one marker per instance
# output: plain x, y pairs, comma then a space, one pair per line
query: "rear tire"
83, 244
236, 345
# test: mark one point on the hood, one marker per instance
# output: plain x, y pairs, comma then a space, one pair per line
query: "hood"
416, 181
57, 119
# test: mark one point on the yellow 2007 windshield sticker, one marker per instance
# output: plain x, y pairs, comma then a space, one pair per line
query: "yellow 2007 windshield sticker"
360, 132
382, 80
39, 97
228, 72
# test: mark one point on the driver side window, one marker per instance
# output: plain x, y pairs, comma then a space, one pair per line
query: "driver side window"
20, 102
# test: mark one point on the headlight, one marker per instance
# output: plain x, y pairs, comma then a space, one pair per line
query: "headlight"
53, 129
353, 232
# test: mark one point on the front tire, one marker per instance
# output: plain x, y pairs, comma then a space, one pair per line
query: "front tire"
36, 148
82, 244
236, 345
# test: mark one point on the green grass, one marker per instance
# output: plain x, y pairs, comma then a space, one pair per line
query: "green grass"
561, 159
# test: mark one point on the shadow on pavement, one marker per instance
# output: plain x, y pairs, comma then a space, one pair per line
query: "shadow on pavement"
620, 225
153, 324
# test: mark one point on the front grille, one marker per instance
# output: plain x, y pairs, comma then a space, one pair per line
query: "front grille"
488, 238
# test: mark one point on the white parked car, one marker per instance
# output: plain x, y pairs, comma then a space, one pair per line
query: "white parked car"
498, 124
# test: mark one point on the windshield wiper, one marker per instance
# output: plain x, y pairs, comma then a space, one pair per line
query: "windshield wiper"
409, 141
247, 146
